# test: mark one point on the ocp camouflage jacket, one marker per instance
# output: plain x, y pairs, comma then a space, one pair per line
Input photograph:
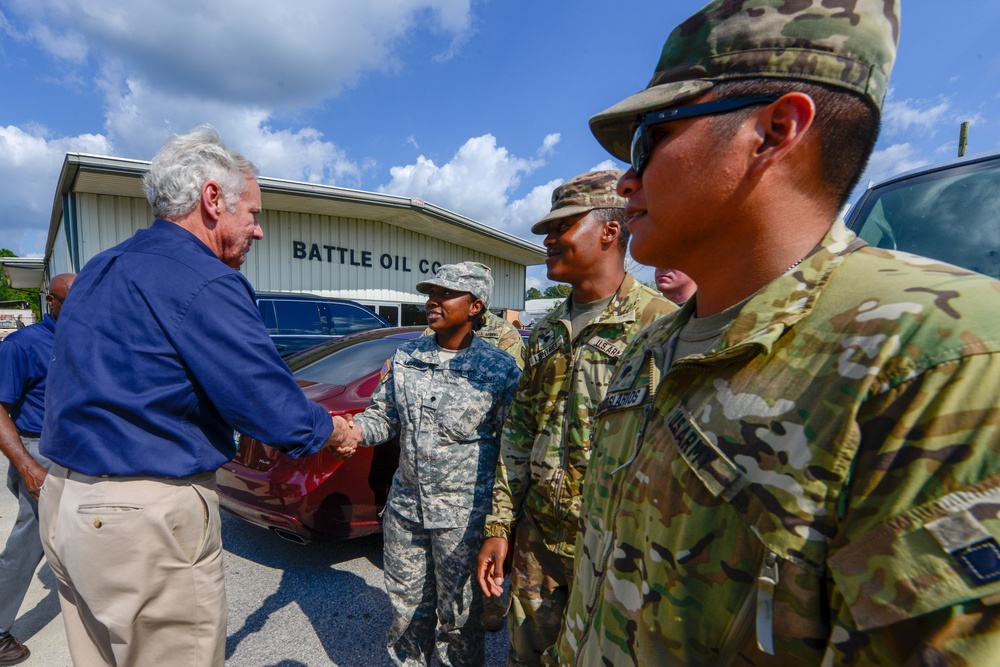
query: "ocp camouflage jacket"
448, 416
822, 487
504, 335
546, 439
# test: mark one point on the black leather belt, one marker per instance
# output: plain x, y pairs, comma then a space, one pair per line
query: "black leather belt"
28, 434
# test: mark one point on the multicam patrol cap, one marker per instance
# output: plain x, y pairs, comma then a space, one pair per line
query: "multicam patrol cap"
851, 45
595, 189
471, 277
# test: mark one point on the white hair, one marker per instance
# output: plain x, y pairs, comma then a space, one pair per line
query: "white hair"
185, 163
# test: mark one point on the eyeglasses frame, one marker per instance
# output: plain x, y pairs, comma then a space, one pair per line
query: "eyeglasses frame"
641, 132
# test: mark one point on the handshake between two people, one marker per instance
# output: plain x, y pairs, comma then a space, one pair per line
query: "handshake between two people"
346, 437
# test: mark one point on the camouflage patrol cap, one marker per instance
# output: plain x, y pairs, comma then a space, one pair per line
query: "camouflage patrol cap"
471, 277
851, 45
595, 189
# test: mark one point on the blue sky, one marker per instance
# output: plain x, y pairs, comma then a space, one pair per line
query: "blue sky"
479, 106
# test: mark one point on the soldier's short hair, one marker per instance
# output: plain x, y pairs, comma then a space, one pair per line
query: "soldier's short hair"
846, 126
615, 215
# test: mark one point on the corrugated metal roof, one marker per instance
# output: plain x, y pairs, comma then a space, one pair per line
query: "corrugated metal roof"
23, 272
118, 176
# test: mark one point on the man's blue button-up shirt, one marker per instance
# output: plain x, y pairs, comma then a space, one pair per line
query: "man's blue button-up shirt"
24, 362
160, 353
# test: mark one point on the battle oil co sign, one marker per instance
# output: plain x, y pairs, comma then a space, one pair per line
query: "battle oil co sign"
316, 252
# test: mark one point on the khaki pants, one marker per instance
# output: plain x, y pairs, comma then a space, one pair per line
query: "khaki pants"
139, 568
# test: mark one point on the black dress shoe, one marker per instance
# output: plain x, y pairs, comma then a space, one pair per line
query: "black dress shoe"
12, 651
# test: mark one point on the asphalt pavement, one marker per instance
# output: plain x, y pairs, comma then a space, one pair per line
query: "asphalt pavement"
289, 605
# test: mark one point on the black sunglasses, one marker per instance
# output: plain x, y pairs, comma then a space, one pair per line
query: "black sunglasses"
641, 147
53, 296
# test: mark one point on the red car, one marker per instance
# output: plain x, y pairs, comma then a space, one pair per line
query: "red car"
321, 496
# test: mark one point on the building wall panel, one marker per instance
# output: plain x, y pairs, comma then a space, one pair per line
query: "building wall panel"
362, 259
303, 252
104, 221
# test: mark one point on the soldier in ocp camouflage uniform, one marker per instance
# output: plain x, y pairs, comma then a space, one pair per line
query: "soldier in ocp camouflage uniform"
546, 440
504, 335
800, 467
446, 396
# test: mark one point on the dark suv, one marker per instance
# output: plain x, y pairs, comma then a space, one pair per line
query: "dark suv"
298, 321
949, 212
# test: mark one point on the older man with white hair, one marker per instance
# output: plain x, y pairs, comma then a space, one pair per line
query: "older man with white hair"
141, 409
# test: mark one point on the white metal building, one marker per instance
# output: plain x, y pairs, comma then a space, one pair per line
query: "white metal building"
320, 239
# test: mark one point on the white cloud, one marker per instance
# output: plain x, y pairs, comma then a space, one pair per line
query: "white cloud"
605, 165
537, 283
29, 167
892, 160
477, 182
139, 120
523, 213
165, 67
914, 116
69, 45
281, 54
549, 144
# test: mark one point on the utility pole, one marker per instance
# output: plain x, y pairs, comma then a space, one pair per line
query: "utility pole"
963, 139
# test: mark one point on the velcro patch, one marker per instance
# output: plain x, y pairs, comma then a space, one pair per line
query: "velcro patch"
965, 538
386, 367
551, 347
606, 346
981, 561
721, 476
619, 400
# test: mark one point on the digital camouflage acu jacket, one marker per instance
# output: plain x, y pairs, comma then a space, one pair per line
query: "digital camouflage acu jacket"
448, 416
546, 439
822, 488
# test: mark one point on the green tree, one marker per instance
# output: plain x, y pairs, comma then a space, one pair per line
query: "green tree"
532, 293
8, 293
557, 291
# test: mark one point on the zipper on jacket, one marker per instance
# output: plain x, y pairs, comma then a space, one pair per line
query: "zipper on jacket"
564, 441
647, 414
760, 601
766, 583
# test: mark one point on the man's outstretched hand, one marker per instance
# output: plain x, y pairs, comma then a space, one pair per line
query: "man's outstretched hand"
345, 438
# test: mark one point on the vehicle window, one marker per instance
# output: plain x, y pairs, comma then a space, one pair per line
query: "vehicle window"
348, 319
391, 313
266, 309
301, 318
412, 315
347, 364
952, 215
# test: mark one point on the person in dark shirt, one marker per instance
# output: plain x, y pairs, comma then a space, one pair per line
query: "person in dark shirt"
159, 356
24, 364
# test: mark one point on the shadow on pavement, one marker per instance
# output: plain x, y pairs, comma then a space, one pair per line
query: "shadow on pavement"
343, 619
30, 622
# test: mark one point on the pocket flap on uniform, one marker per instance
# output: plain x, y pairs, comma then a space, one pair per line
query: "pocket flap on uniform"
937, 555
